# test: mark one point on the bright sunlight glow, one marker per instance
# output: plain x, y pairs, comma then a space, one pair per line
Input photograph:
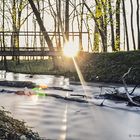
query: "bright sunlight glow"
70, 49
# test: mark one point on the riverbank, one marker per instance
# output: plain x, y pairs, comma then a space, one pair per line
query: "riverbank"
95, 67
13, 129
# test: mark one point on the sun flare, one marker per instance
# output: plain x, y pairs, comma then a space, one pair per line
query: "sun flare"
70, 49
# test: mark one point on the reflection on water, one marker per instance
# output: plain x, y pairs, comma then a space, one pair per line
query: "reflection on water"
64, 126
49, 80
62, 120
83, 83
2, 74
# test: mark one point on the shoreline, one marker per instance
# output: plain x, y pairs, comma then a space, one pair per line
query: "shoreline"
15, 129
74, 81
95, 67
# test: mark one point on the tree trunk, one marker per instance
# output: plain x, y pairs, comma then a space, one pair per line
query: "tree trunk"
14, 28
104, 28
138, 24
35, 38
43, 29
58, 7
125, 24
18, 26
100, 29
104, 42
96, 40
81, 27
73, 20
112, 26
41, 25
67, 20
3, 27
96, 35
117, 41
41, 37
132, 27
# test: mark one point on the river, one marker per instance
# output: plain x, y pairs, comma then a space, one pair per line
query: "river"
57, 119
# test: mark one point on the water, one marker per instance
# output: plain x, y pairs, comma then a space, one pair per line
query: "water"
58, 119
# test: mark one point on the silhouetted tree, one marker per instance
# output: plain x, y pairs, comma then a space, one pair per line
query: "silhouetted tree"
67, 19
96, 37
125, 24
117, 40
138, 24
41, 25
100, 22
132, 26
111, 25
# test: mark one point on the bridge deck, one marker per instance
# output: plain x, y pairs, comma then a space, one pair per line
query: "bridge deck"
31, 53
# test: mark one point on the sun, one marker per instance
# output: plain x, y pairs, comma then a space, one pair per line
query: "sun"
70, 49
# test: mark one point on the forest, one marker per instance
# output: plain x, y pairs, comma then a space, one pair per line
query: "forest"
55, 93
96, 25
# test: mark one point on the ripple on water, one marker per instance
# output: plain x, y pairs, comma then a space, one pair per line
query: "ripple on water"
59, 120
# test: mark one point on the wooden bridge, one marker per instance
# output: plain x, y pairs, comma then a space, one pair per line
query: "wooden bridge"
25, 36
29, 52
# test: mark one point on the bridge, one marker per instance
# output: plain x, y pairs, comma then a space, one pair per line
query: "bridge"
8, 47
29, 52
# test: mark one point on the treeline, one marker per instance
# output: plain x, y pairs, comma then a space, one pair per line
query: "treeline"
109, 24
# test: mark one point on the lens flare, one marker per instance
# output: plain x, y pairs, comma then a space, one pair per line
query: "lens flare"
70, 49
34, 99
83, 82
39, 91
43, 86
64, 126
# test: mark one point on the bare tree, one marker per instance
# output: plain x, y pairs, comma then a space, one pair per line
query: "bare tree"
138, 24
58, 24
112, 25
54, 15
41, 25
105, 22
132, 26
67, 19
117, 41
96, 36
3, 27
81, 26
125, 24
17, 8
58, 9
101, 26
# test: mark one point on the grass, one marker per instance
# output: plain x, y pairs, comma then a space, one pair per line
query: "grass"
102, 67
